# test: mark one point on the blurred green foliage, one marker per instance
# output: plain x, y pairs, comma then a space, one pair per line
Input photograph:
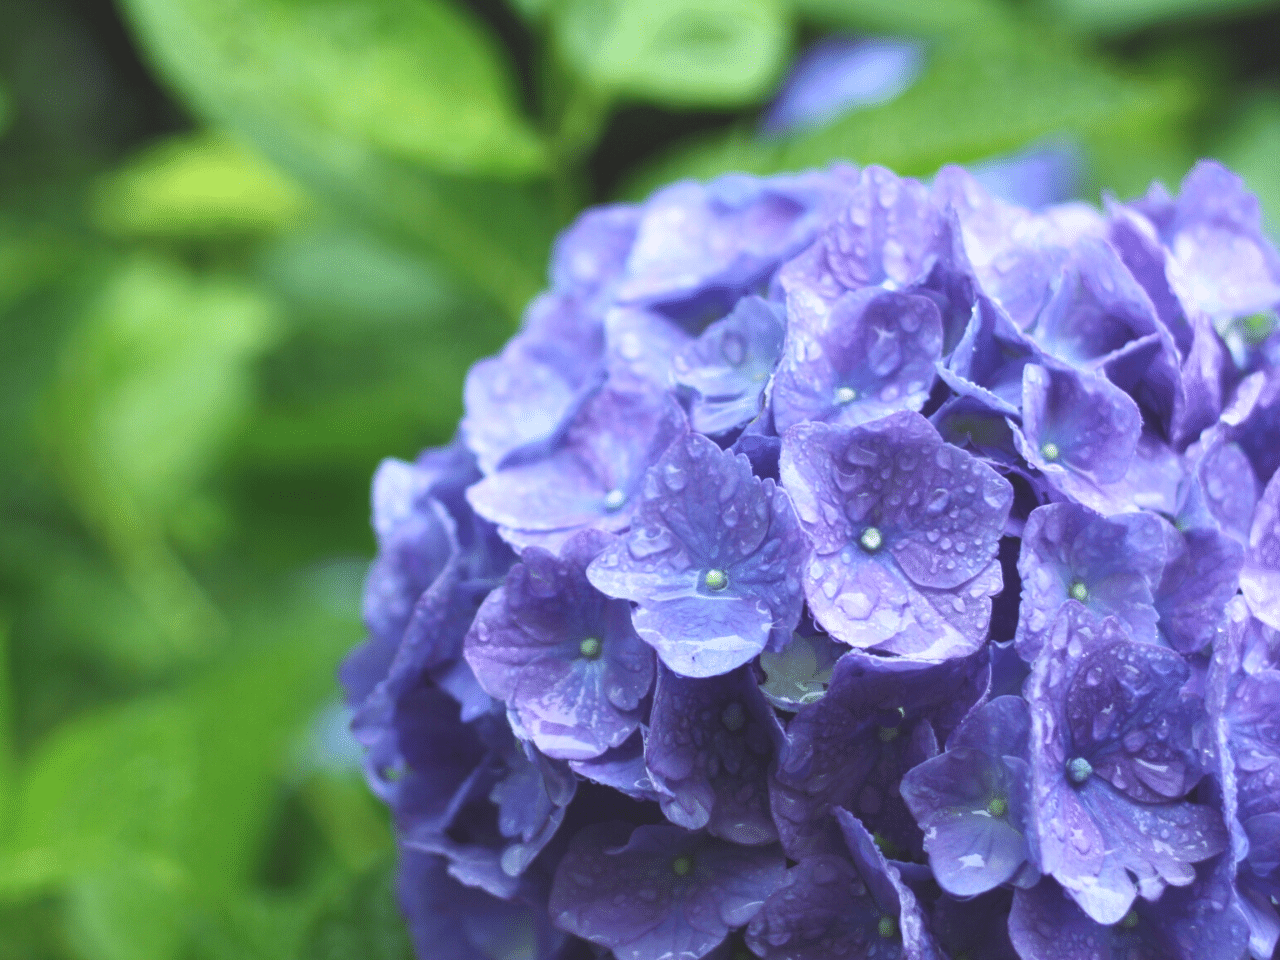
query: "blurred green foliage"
249, 247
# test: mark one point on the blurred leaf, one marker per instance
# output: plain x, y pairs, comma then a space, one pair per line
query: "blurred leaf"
979, 96
201, 185
1120, 16
683, 53
149, 387
106, 787
362, 923
400, 113
131, 910
342, 275
6, 110
916, 17
1251, 148
6, 728
392, 76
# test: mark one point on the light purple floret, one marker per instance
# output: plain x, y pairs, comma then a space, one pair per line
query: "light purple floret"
1112, 762
729, 366
873, 354
1111, 565
591, 479
712, 561
973, 802
1081, 432
905, 530
661, 892
1260, 578
561, 654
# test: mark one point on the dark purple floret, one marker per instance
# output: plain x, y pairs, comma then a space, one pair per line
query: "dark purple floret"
1260, 578
1081, 432
973, 802
1111, 565
660, 892
1112, 761
592, 478
712, 561
976, 928
1200, 922
729, 365
623, 769
851, 748
986, 365
474, 794
711, 743
843, 907
872, 354
905, 530
449, 921
562, 655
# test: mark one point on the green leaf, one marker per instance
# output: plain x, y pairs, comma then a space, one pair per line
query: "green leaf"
1122, 16
400, 113
986, 94
6, 110
919, 17
416, 81
149, 387
681, 53
131, 910
203, 186
362, 923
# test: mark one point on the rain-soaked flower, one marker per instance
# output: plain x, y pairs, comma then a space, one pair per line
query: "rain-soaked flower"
842, 566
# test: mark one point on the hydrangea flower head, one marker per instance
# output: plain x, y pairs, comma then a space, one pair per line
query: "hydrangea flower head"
843, 566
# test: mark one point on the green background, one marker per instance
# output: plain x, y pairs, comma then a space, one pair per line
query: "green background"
249, 247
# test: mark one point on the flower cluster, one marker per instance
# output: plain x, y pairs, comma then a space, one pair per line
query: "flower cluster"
837, 566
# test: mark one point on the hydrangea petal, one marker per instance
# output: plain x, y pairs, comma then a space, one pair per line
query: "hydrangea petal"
660, 892
1111, 565
710, 746
561, 654
935, 514
729, 365
1101, 703
592, 479
1260, 577
874, 355
850, 748
711, 562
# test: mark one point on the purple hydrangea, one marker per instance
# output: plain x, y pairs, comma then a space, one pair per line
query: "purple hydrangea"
839, 565
712, 561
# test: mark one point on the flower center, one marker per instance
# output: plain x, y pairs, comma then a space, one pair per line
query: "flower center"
716, 579
589, 648
887, 927
614, 500
1079, 591
871, 540
846, 395
734, 717
888, 734
682, 866
998, 806
1049, 450
1130, 920
1079, 770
